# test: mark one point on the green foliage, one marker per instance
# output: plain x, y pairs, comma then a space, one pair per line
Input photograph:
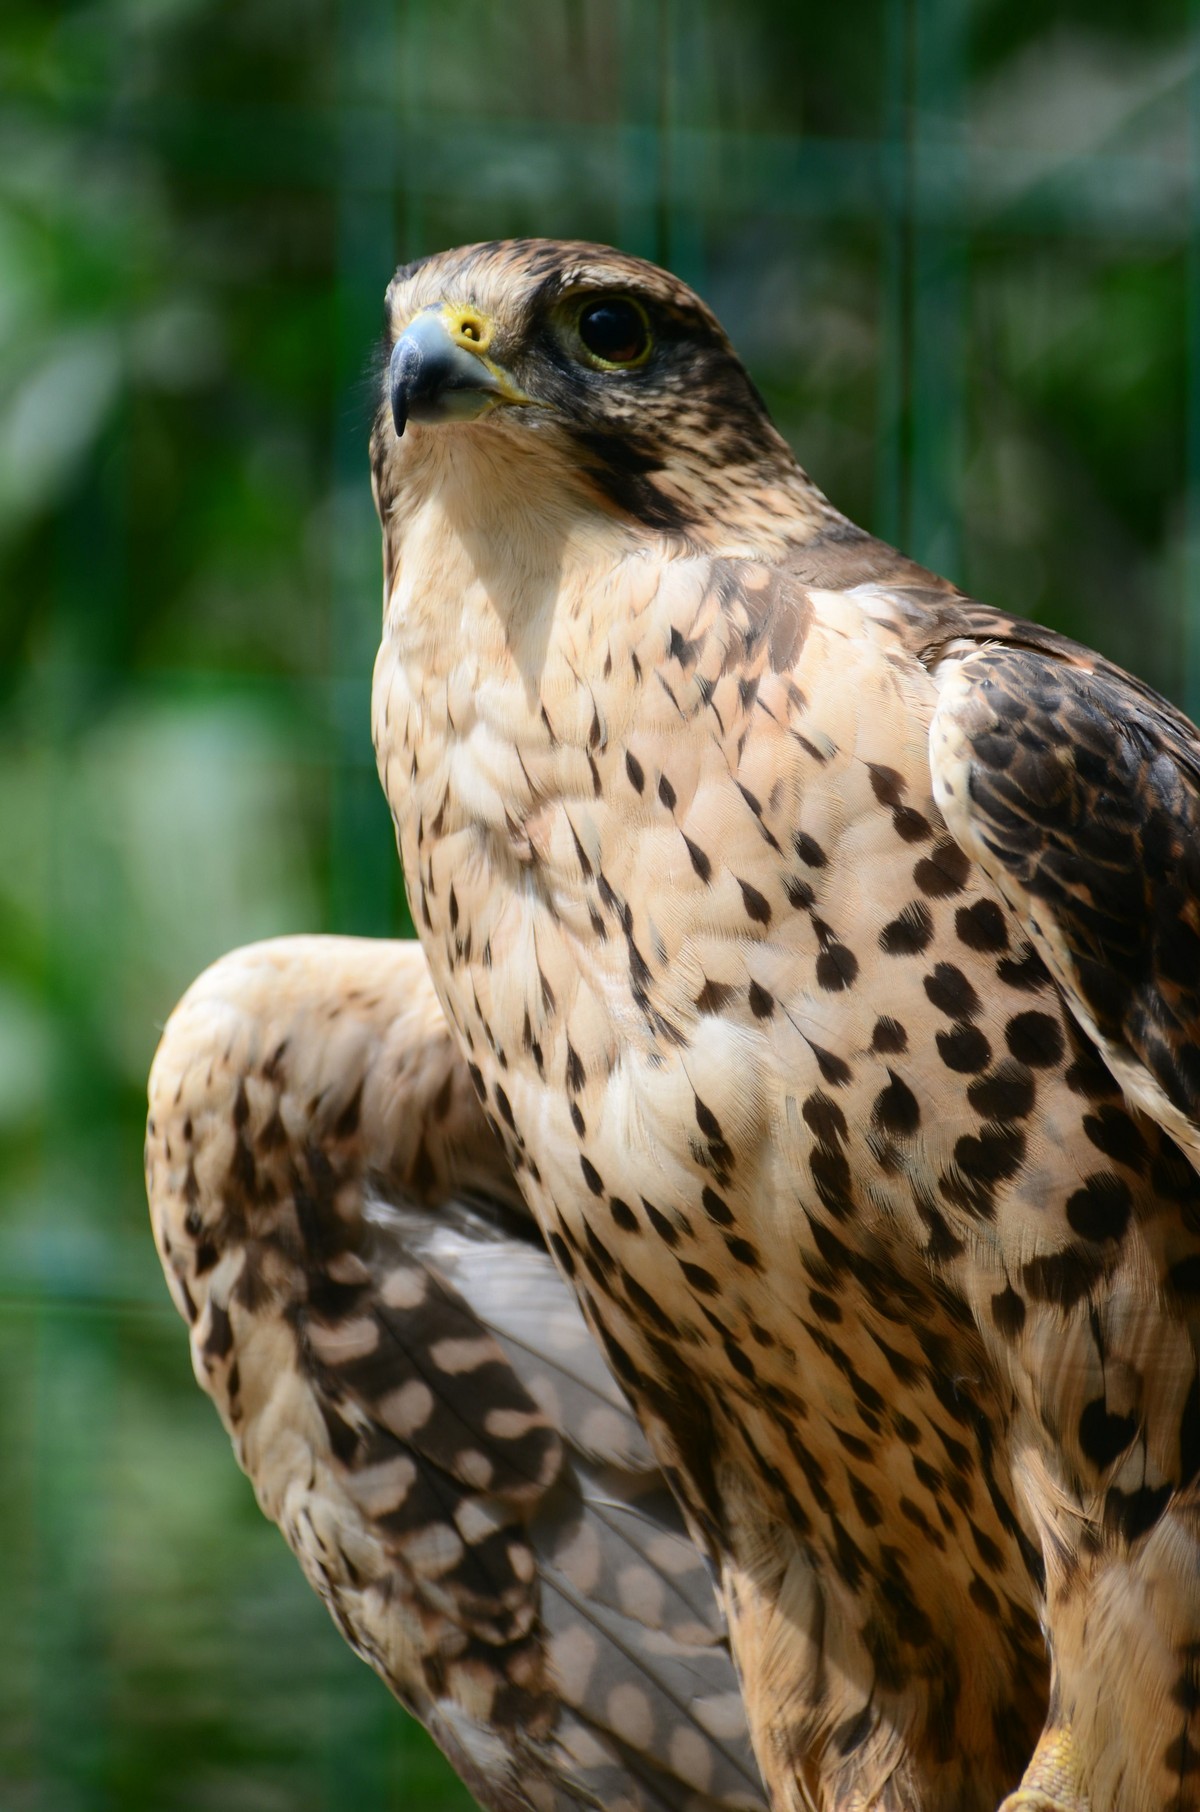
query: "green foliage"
958, 248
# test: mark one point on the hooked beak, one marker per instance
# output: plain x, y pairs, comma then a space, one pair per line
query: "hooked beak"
440, 371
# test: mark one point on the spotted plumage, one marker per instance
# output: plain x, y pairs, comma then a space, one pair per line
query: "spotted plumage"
413, 1392
819, 945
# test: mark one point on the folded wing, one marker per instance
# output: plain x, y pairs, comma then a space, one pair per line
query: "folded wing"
1077, 790
413, 1392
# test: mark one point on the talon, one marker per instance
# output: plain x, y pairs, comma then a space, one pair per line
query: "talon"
1051, 1779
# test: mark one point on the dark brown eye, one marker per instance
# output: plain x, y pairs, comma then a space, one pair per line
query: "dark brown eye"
614, 330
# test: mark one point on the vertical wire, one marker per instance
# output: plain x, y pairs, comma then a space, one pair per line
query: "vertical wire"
363, 870
938, 288
664, 224
684, 114
639, 213
414, 62
896, 259
921, 429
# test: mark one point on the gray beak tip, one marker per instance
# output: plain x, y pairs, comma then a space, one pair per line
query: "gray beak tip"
403, 379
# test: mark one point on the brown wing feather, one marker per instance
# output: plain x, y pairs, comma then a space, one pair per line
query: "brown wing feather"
1077, 790
414, 1394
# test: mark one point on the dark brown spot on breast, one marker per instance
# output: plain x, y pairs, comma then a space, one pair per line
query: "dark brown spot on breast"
1100, 1210
1063, 1277
992, 1155
218, 1342
762, 1004
1113, 1131
596, 1256
1008, 1312
943, 871
1133, 1513
981, 926
986, 1549
1008, 1093
716, 1207
909, 825
888, 785
683, 650
983, 1598
834, 1069
739, 1361
665, 1229
837, 967
965, 1049
706, 1120
562, 1252
591, 1175
1035, 1038
895, 1108
624, 1216
808, 850
698, 859
713, 996
909, 933
701, 1280
951, 993
830, 1172
757, 907
645, 1303
888, 1036
825, 1119
1103, 1437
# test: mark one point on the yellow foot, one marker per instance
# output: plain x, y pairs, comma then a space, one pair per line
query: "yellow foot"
1051, 1782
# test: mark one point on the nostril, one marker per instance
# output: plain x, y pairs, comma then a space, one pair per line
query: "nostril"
470, 331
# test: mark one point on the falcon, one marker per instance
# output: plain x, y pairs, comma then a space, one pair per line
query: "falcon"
822, 949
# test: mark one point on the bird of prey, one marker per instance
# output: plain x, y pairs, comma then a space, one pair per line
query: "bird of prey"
823, 949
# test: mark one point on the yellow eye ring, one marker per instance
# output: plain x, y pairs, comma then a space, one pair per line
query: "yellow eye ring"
614, 333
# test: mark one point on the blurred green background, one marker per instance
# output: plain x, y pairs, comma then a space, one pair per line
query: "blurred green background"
959, 247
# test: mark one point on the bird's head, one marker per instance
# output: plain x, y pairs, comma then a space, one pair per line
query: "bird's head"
608, 369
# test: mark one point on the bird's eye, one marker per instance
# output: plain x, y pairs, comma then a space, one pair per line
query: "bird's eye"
615, 331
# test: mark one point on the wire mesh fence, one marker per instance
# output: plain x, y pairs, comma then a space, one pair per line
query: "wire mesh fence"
958, 246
